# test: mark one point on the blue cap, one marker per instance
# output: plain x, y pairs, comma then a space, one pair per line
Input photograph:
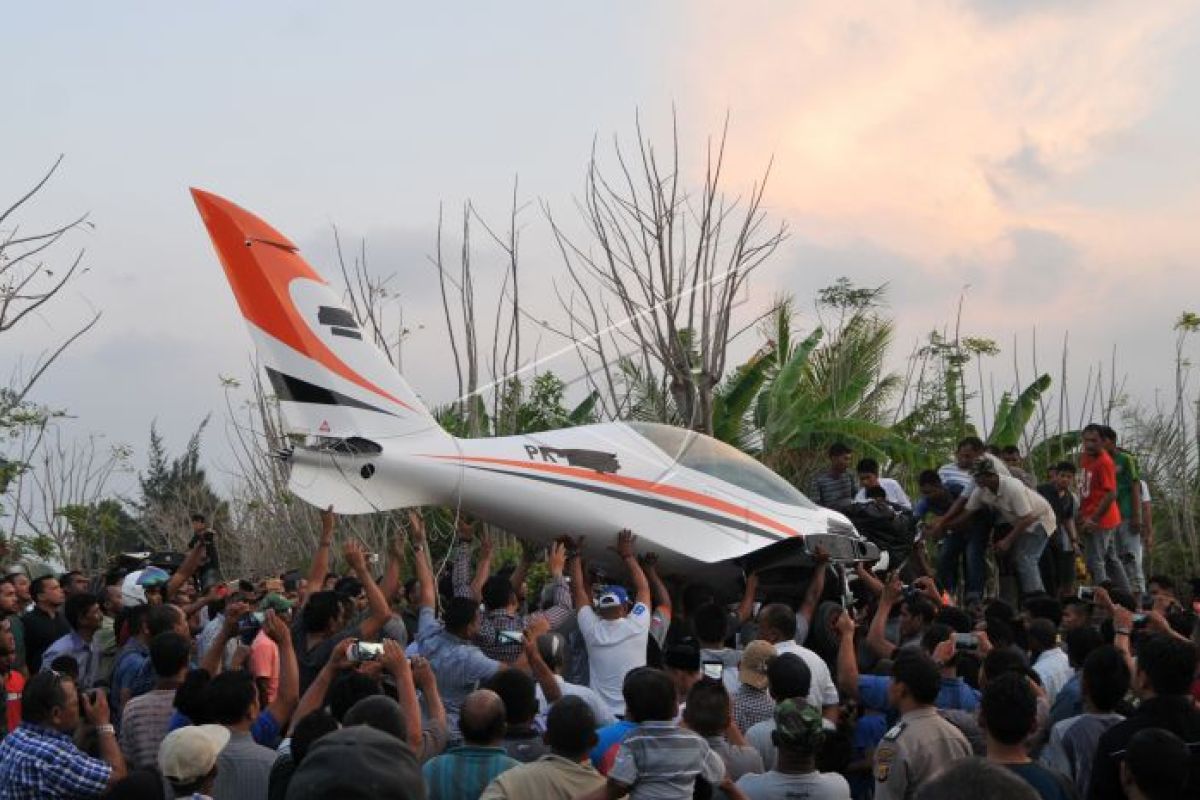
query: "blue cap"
612, 596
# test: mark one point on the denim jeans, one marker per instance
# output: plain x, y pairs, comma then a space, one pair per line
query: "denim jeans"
969, 539
1129, 550
1025, 552
1100, 552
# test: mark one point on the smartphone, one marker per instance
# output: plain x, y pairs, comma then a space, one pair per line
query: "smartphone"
365, 651
966, 643
1140, 620
510, 637
1087, 594
259, 617
713, 670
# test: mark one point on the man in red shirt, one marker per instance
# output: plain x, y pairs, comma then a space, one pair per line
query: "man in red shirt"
12, 681
1099, 515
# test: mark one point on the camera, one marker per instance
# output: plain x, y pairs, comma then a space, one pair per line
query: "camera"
365, 651
713, 670
1087, 594
1140, 620
966, 643
510, 637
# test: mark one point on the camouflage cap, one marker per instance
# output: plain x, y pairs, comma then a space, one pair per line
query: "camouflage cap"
984, 466
799, 725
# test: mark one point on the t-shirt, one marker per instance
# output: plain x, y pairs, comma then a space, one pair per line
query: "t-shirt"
615, 646
810, 786
1048, 784
892, 488
264, 662
1097, 477
954, 475
822, 691
14, 685
661, 761
1128, 481
1014, 500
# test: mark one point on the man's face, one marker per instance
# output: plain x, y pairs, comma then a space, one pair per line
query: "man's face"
198, 527
67, 717
909, 625
114, 601
181, 625
1073, 617
8, 652
21, 582
868, 479
840, 462
1012, 459
52, 593
965, 457
92, 619
932, 491
8, 599
990, 482
1063, 480
76, 584
1092, 444
154, 595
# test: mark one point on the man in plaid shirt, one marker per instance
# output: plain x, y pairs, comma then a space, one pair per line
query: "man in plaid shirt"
39, 761
500, 629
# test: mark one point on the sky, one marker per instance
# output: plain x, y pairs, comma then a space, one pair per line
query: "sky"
1034, 158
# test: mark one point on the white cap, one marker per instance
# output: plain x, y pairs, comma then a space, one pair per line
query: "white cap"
188, 754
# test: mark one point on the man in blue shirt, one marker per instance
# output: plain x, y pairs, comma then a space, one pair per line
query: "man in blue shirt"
462, 773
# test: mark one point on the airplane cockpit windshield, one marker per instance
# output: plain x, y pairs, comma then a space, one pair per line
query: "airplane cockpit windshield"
725, 462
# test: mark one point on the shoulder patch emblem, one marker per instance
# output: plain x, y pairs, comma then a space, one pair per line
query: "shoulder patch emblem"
894, 733
883, 763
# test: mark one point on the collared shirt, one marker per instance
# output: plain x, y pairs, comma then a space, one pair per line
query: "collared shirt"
1014, 500
1069, 702
954, 475
243, 769
144, 725
832, 490
459, 665
524, 744
604, 715
1054, 669
462, 773
85, 654
608, 737
913, 750
1175, 713
615, 646
38, 763
661, 761
551, 777
1072, 746
751, 706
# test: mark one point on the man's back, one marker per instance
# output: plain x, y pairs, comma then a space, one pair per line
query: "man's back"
144, 725
243, 769
1049, 785
614, 647
1172, 713
913, 750
462, 773
551, 777
662, 760
808, 785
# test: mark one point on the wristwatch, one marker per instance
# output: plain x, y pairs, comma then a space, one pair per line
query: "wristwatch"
1122, 631
106, 729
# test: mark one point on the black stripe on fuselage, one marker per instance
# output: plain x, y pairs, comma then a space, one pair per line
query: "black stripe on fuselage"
297, 391
653, 502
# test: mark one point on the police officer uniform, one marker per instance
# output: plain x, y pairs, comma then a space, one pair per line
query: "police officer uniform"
921, 744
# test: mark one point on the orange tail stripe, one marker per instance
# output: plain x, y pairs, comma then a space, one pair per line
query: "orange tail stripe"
633, 483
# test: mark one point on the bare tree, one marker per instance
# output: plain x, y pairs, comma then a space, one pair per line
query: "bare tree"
661, 269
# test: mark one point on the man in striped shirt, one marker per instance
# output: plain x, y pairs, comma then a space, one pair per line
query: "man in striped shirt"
835, 487
462, 773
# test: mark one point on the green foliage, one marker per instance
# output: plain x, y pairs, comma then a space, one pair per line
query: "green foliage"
1012, 416
102, 530
540, 408
175, 487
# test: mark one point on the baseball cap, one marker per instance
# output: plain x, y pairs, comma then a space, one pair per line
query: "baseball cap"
357, 762
799, 724
275, 602
188, 754
753, 669
611, 596
153, 576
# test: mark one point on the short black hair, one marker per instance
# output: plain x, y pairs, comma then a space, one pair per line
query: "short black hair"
1109, 433
348, 586
169, 654
198, 518
77, 607
711, 623
875, 493
71, 573
1043, 634
459, 614
1159, 763
1094, 427
1079, 643
1044, 607
788, 677
571, 728
1105, 677
1008, 709
497, 592
1064, 466
921, 606
708, 708
36, 587
66, 666
190, 697
1164, 581
519, 693
973, 442
683, 656
929, 477
1169, 663
381, 713
649, 695
838, 449
230, 696
308, 730
162, 619
1002, 661
43, 693
917, 671
955, 617
321, 609
934, 635
978, 779
779, 617
347, 689
867, 466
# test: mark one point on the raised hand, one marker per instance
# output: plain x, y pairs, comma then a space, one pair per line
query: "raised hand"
355, 554
844, 625
392, 658
556, 559
95, 707
537, 626
417, 524
625, 540
422, 672
340, 657
486, 546
649, 561
327, 523
277, 630
893, 589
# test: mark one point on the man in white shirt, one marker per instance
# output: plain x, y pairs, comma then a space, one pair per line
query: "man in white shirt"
553, 648
868, 476
1050, 661
777, 625
615, 633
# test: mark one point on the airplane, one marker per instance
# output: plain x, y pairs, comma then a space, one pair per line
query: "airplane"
370, 444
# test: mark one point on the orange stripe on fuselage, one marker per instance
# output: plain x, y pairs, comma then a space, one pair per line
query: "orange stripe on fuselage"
639, 484
261, 264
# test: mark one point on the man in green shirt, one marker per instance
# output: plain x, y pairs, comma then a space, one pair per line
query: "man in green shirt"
1129, 534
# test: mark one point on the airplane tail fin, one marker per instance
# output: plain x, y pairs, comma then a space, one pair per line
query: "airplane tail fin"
330, 380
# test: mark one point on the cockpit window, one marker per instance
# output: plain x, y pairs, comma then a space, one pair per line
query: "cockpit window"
725, 462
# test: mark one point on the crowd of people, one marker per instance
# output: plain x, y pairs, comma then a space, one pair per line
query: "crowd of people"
979, 662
